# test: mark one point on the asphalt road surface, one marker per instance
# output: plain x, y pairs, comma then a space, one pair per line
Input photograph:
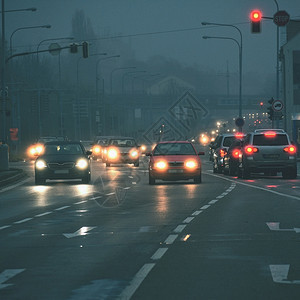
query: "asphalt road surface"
120, 238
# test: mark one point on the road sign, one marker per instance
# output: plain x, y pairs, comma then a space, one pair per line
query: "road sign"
54, 48
281, 18
239, 122
277, 105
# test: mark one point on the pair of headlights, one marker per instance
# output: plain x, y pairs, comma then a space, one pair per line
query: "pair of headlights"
114, 153
80, 164
163, 165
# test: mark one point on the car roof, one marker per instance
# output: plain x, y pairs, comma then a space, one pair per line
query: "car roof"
121, 138
174, 142
62, 142
264, 130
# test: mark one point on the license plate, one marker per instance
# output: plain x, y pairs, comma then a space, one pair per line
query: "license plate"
61, 171
271, 156
176, 171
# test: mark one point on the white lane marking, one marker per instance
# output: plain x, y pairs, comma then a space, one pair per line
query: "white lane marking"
80, 202
196, 213
224, 194
63, 207
170, 239
159, 253
145, 229
280, 274
213, 201
188, 220
136, 281
8, 274
44, 214
275, 226
127, 188
15, 185
109, 194
79, 232
255, 187
130, 176
205, 207
179, 228
23, 221
6, 226
95, 198
219, 197
133, 182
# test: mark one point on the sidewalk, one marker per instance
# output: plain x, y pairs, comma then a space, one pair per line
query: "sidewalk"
11, 176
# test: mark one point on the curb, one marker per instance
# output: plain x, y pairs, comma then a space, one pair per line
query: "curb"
11, 176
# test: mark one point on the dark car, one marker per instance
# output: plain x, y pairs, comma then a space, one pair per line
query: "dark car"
63, 160
174, 160
219, 149
121, 150
268, 151
232, 156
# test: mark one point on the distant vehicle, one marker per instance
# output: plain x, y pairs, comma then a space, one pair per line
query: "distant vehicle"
99, 146
88, 145
219, 149
63, 160
268, 151
232, 155
121, 150
174, 160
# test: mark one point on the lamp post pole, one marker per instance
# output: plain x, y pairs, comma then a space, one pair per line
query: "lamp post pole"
240, 60
128, 73
111, 76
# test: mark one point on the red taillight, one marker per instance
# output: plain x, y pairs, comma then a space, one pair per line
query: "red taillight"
236, 153
250, 150
290, 149
270, 134
223, 152
239, 135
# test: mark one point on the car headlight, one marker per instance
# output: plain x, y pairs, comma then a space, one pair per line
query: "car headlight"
190, 164
160, 165
112, 153
96, 150
82, 163
40, 164
134, 154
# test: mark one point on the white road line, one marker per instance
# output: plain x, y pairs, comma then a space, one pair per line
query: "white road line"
133, 182
84, 201
205, 207
14, 186
196, 213
136, 281
44, 214
109, 194
179, 228
127, 188
8, 274
224, 194
159, 253
219, 197
6, 226
213, 201
170, 239
256, 187
130, 176
23, 221
63, 207
188, 220
95, 198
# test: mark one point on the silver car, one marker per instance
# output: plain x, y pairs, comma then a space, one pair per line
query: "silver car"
268, 151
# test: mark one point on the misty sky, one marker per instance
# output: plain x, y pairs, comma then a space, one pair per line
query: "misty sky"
130, 17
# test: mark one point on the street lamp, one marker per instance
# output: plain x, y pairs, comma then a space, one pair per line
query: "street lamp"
240, 58
20, 9
22, 28
114, 70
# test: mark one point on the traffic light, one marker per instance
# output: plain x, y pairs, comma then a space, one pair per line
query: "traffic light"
255, 17
85, 49
270, 109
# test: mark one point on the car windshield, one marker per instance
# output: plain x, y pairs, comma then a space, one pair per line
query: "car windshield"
123, 142
276, 140
63, 149
228, 141
174, 149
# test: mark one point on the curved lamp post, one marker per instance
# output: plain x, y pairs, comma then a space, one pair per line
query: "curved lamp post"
111, 75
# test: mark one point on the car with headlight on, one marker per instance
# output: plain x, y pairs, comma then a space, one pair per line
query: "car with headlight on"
98, 147
268, 151
63, 160
121, 150
174, 160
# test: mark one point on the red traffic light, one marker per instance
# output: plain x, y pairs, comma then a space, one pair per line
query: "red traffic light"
261, 103
255, 15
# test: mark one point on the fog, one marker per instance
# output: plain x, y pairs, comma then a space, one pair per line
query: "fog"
171, 28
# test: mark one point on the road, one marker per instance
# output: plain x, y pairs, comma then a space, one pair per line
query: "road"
120, 238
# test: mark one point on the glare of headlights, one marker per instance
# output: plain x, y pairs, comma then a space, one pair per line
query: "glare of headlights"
161, 165
82, 163
32, 150
143, 148
96, 149
40, 164
190, 164
112, 153
134, 153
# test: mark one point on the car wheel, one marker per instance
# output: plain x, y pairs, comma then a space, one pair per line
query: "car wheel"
226, 171
108, 164
137, 164
245, 173
198, 179
39, 181
86, 179
151, 179
232, 171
